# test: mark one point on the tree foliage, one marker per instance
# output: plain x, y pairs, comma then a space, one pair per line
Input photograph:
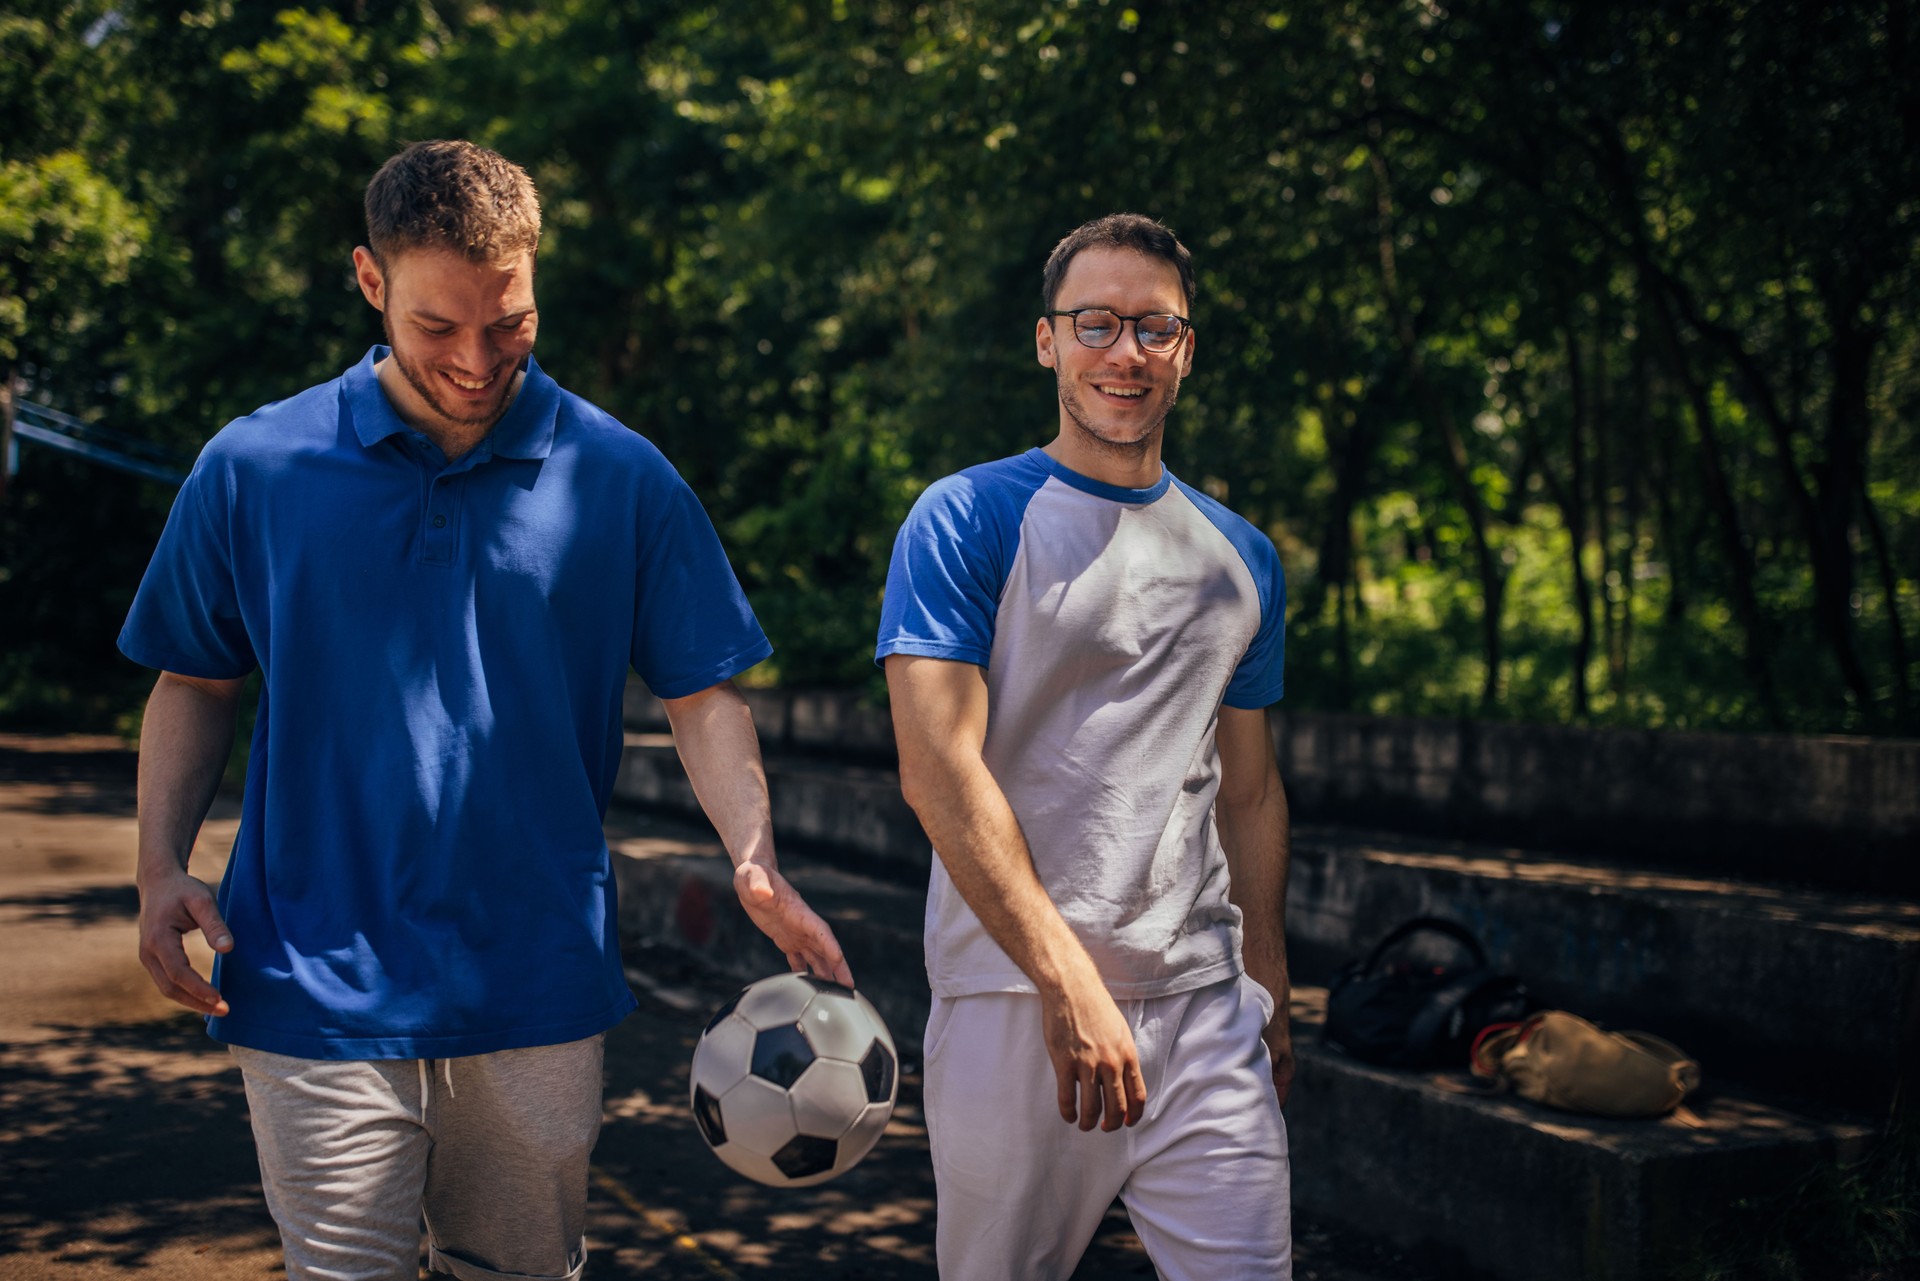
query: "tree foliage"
1567, 352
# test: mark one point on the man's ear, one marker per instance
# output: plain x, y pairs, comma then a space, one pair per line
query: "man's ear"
372, 280
1043, 342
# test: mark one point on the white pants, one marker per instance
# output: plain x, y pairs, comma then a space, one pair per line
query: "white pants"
1204, 1174
491, 1150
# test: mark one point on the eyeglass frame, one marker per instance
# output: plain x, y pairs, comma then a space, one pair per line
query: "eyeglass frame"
1186, 327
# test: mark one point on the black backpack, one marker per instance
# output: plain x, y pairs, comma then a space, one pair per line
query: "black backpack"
1409, 1014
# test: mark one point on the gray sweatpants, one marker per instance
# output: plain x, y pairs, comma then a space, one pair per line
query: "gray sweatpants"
491, 1150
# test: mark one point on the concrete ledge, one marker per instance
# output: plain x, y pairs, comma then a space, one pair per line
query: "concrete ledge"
1523, 1192
1792, 989
1832, 810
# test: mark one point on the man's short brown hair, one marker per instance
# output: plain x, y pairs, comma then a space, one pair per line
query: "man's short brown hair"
455, 196
1117, 231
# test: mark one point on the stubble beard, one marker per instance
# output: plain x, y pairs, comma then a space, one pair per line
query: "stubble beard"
1129, 450
422, 382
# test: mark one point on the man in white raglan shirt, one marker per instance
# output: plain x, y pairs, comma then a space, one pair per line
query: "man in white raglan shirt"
1080, 650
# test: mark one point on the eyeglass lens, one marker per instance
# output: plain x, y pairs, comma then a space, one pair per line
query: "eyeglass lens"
1102, 329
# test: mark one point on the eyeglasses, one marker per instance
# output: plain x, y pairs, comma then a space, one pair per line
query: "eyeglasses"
1099, 328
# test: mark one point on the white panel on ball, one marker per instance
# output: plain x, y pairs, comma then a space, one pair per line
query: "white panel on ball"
758, 1116
773, 1001
879, 1024
759, 1168
721, 1059
828, 1098
865, 1132
838, 1028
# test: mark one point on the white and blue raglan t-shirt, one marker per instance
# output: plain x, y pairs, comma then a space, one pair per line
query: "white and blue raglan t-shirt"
1112, 624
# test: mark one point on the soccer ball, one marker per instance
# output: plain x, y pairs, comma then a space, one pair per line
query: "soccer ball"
794, 1079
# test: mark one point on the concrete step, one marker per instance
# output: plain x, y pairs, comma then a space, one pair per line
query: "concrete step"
1490, 1184
1819, 809
1799, 989
1788, 987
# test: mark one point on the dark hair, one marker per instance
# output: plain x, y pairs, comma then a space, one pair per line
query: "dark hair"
452, 195
1117, 231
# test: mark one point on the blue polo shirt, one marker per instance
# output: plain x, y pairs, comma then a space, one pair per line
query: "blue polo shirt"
421, 870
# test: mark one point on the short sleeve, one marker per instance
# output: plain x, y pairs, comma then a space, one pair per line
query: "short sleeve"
186, 617
950, 563
692, 626
1260, 679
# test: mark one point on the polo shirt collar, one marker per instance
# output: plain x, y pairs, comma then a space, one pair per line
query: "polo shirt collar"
525, 432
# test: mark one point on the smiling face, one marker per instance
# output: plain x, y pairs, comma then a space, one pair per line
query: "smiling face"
1114, 400
460, 332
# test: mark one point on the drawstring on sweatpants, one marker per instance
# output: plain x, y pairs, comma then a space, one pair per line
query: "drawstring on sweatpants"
446, 1074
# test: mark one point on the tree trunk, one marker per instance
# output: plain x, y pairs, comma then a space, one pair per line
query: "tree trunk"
1890, 587
1454, 447
1733, 538
1574, 509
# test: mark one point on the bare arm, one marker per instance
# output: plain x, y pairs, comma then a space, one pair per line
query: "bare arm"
184, 742
940, 725
1251, 813
713, 731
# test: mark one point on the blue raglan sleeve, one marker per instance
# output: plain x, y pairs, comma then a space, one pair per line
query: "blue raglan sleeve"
1260, 679
950, 563
186, 616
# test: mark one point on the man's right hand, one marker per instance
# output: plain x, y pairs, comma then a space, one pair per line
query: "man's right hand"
171, 907
1095, 1062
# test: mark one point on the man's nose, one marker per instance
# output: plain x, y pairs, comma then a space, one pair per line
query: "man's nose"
1126, 349
474, 352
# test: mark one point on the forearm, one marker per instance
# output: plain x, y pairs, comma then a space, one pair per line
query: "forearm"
979, 842
1255, 833
185, 739
714, 734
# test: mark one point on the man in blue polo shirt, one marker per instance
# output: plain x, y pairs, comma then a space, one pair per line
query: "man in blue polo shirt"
443, 566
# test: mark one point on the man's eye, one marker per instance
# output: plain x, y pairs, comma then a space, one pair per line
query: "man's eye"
435, 333
508, 326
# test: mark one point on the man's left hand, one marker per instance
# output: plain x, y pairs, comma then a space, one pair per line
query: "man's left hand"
1279, 1039
796, 929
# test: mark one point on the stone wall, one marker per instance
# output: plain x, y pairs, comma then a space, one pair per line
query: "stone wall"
1829, 809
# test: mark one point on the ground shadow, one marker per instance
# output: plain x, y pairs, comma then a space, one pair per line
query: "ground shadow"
86, 906
125, 1138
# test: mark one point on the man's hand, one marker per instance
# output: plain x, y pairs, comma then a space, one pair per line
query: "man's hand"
1279, 1040
796, 929
1094, 1060
171, 907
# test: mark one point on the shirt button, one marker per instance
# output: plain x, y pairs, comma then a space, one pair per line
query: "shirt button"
439, 522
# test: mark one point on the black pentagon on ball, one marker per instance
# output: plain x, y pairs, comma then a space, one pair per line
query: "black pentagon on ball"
877, 1068
781, 1054
706, 1114
806, 1154
826, 985
722, 1013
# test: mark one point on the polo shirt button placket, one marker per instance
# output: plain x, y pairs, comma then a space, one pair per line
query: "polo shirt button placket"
440, 532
